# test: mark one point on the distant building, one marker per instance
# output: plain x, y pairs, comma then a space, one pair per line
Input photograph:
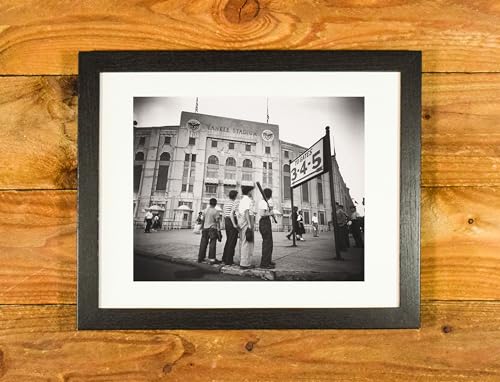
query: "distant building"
179, 168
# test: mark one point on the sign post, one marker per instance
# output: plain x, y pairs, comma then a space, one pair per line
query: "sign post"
328, 152
315, 161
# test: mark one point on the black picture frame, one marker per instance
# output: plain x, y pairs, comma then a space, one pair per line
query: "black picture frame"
91, 64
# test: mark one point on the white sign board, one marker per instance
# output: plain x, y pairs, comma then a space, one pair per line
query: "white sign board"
309, 164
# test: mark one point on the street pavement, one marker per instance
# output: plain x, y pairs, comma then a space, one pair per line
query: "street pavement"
312, 259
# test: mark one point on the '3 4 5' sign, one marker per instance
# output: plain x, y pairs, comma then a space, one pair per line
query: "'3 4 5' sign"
309, 164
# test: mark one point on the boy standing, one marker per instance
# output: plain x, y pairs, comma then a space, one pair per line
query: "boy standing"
265, 229
209, 233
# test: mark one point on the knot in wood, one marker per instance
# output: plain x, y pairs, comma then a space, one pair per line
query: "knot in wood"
249, 346
241, 11
470, 221
167, 368
446, 329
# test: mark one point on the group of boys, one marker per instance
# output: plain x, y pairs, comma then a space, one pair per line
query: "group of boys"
239, 222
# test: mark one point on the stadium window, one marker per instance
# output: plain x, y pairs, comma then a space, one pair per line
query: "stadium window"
270, 166
264, 164
285, 153
137, 177
212, 159
211, 189
305, 192
184, 187
268, 150
320, 193
322, 218
192, 141
247, 163
142, 141
161, 183
190, 188
187, 157
214, 144
168, 140
231, 145
286, 168
193, 158
139, 156
165, 156
286, 187
306, 217
248, 147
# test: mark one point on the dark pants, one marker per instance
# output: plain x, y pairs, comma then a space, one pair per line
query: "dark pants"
294, 230
267, 241
208, 235
346, 237
356, 233
342, 233
148, 225
231, 240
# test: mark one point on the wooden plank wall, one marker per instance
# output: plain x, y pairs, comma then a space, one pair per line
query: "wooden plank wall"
460, 335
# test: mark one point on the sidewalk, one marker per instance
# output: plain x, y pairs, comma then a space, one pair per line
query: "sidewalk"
312, 259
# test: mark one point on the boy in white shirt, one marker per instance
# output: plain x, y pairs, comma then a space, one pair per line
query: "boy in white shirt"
246, 223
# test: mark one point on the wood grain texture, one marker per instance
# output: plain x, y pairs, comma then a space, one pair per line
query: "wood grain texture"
38, 132
44, 37
37, 247
458, 342
460, 141
460, 260
461, 130
460, 243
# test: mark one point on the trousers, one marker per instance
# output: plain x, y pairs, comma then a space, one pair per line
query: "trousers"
231, 240
208, 238
266, 231
246, 248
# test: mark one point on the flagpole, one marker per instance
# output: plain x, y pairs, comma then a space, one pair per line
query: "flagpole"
291, 217
328, 152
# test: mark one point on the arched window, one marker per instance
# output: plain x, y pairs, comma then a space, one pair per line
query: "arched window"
212, 159
286, 168
247, 163
139, 156
213, 167
230, 170
161, 182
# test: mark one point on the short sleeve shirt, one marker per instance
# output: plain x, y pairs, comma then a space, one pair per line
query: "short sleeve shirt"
211, 217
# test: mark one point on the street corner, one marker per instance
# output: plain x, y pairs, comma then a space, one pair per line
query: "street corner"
235, 270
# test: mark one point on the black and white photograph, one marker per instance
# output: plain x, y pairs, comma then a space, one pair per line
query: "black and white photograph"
249, 189
235, 188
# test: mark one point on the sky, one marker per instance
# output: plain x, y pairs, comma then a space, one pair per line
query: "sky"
302, 120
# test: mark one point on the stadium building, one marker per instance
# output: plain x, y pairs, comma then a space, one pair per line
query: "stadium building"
177, 169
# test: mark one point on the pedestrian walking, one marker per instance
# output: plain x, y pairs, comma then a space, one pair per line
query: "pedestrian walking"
148, 218
265, 229
231, 226
210, 233
356, 227
295, 223
246, 223
315, 225
156, 222
300, 224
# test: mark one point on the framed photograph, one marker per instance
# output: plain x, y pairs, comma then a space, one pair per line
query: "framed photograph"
250, 189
